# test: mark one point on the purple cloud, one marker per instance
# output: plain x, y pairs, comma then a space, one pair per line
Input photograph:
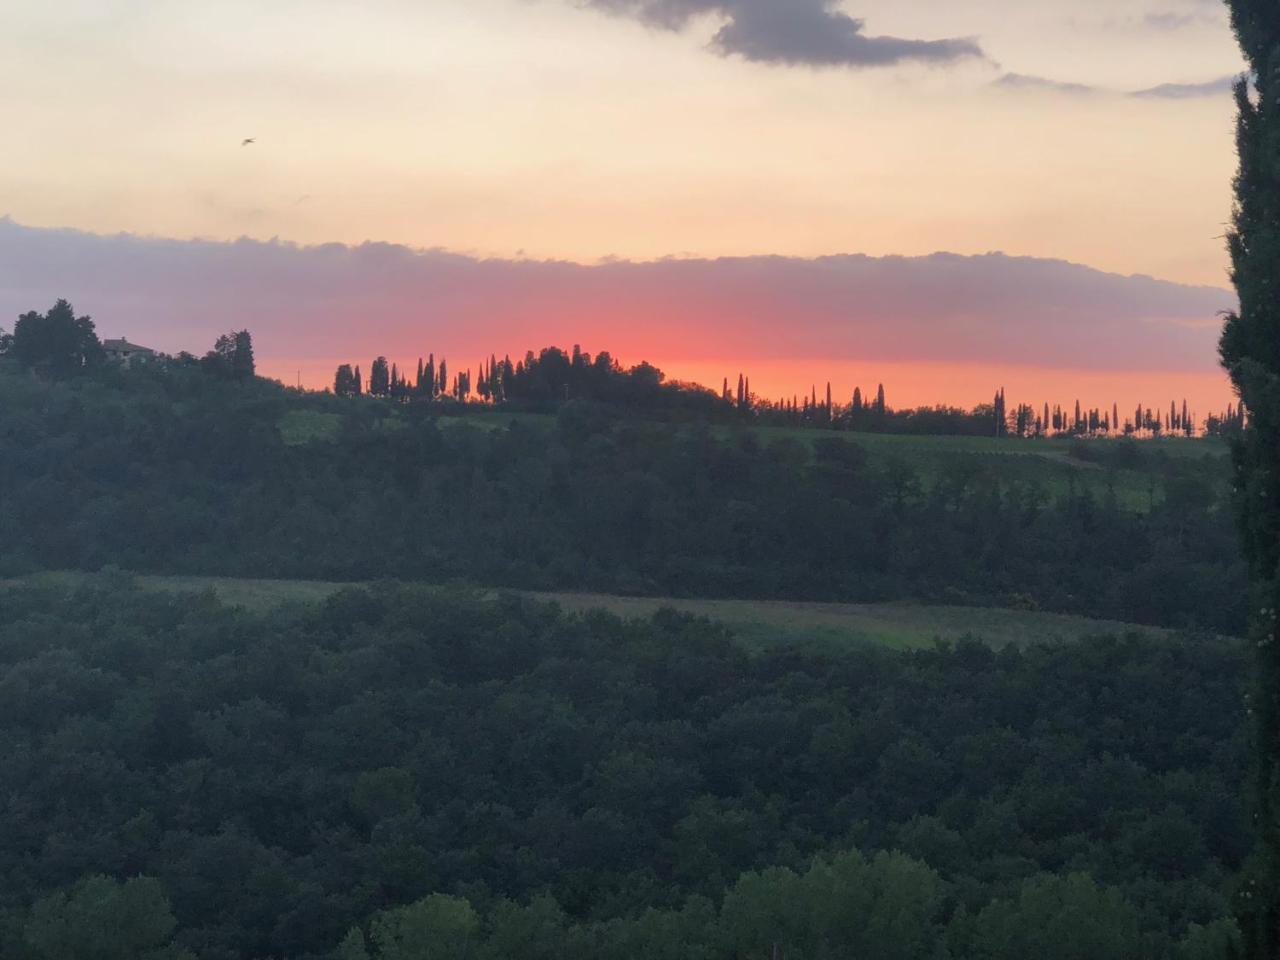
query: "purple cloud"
312, 304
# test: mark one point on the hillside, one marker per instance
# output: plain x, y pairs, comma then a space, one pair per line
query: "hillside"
179, 473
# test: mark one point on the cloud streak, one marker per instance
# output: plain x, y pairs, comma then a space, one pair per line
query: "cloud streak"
813, 33
310, 305
1021, 82
1220, 87
1025, 82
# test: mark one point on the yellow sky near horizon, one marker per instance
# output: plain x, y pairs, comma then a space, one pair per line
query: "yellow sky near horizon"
518, 128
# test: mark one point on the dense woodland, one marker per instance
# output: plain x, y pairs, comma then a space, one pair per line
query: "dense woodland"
423, 774
170, 468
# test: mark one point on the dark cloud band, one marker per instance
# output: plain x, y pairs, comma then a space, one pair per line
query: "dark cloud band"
792, 32
338, 301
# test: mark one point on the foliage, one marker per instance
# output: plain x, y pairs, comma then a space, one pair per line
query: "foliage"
403, 773
57, 344
231, 357
177, 472
1251, 353
103, 919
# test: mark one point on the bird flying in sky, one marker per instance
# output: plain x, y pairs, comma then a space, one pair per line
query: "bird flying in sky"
247, 140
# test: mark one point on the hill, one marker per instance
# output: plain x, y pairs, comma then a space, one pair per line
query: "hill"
176, 472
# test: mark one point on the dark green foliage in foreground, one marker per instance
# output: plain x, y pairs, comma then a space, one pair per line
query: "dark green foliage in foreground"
168, 470
414, 774
1251, 352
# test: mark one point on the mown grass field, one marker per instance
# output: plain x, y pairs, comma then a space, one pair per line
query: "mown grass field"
758, 625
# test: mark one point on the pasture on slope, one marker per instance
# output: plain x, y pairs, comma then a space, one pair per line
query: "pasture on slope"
757, 624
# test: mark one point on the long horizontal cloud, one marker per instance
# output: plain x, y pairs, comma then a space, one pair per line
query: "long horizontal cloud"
1218, 87
1023, 81
794, 32
312, 304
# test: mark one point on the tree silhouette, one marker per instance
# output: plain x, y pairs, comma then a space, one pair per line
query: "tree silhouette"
1250, 349
231, 357
344, 381
379, 378
58, 343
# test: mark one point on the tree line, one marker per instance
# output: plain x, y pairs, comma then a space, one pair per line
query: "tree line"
543, 381
59, 344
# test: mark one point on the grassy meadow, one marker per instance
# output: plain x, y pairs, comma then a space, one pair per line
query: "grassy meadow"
757, 624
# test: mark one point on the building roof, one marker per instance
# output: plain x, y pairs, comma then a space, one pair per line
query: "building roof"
124, 346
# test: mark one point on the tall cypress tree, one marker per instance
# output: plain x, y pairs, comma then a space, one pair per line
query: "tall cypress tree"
1251, 353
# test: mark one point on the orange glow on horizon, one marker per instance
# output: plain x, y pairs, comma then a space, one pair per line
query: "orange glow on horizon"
907, 385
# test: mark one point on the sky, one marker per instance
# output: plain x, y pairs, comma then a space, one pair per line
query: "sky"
568, 139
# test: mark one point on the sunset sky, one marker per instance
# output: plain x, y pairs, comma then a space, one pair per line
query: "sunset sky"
597, 131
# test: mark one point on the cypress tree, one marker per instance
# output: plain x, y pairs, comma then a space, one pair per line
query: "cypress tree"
379, 378
242, 363
1250, 349
344, 381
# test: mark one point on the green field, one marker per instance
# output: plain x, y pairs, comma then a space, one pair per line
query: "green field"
1048, 463
757, 624
309, 426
